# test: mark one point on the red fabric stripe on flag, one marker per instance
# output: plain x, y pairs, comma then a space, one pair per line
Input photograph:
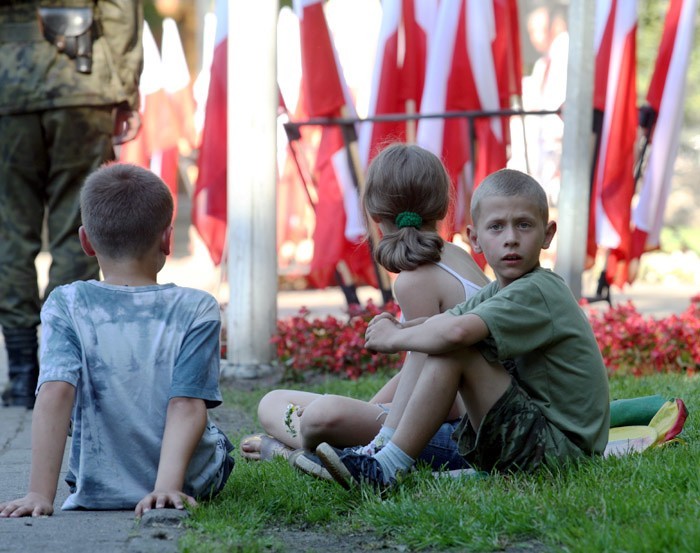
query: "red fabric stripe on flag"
209, 198
506, 51
323, 90
399, 77
602, 60
614, 182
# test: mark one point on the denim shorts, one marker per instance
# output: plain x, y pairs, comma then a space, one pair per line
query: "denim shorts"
441, 452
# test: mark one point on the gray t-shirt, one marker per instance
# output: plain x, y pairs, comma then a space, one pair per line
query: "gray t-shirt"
536, 322
128, 350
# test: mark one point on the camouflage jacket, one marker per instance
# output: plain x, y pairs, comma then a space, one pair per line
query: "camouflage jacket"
35, 76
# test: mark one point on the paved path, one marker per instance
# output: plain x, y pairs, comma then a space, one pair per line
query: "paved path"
74, 531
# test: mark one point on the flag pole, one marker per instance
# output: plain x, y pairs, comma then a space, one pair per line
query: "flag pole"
647, 119
251, 187
575, 193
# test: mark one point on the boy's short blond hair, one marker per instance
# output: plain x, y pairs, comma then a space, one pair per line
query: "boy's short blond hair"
509, 182
125, 210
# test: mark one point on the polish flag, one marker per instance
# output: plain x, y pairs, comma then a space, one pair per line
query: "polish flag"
399, 72
339, 231
613, 185
665, 97
209, 198
461, 75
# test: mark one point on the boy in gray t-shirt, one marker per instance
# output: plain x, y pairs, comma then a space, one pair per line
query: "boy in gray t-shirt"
520, 352
136, 364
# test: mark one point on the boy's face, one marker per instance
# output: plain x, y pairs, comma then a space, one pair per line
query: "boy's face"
510, 233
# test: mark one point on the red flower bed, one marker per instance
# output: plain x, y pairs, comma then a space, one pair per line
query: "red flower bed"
630, 342
331, 345
634, 344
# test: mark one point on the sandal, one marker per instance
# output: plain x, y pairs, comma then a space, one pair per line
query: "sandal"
262, 447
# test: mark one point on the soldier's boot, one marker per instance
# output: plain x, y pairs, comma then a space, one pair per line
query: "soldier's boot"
21, 344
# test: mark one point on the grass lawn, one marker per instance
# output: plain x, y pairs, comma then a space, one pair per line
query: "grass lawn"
642, 502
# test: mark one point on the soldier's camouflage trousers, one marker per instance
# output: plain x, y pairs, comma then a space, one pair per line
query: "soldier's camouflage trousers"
44, 159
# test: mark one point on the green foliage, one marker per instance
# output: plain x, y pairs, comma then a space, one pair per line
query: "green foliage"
641, 502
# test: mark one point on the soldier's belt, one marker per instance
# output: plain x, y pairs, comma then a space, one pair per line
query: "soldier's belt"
71, 31
20, 32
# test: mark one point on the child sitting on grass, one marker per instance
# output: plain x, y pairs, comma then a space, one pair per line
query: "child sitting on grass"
136, 363
407, 195
551, 403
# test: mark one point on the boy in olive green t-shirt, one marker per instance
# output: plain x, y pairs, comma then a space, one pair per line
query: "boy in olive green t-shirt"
521, 353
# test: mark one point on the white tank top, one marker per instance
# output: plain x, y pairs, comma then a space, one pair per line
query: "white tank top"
469, 287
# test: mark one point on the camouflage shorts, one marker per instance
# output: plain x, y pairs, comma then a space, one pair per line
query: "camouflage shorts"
514, 436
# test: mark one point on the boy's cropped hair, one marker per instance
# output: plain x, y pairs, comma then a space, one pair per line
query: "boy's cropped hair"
510, 182
124, 210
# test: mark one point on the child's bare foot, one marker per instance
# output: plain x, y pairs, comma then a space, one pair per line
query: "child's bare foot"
263, 447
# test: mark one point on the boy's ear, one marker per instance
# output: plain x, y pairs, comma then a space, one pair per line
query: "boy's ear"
165, 240
85, 242
549, 232
473, 238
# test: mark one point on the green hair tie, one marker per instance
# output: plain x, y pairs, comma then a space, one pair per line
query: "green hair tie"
409, 219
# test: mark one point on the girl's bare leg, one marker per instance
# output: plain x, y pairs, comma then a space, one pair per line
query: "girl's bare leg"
272, 413
340, 421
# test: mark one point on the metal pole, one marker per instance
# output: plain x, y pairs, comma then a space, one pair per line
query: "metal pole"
576, 150
251, 158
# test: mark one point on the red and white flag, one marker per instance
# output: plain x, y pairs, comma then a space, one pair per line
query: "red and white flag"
339, 231
461, 75
399, 72
613, 185
665, 97
209, 210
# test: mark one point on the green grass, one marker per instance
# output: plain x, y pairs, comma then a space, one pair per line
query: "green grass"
639, 503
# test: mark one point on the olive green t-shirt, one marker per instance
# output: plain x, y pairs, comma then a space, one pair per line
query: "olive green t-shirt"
536, 322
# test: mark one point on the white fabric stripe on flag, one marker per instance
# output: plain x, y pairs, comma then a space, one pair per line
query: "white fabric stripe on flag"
430, 133
391, 15
481, 33
354, 224
649, 212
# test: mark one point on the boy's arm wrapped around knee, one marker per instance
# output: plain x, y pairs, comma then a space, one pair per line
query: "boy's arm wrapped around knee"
438, 334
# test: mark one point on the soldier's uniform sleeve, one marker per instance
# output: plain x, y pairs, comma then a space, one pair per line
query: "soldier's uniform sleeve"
122, 27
